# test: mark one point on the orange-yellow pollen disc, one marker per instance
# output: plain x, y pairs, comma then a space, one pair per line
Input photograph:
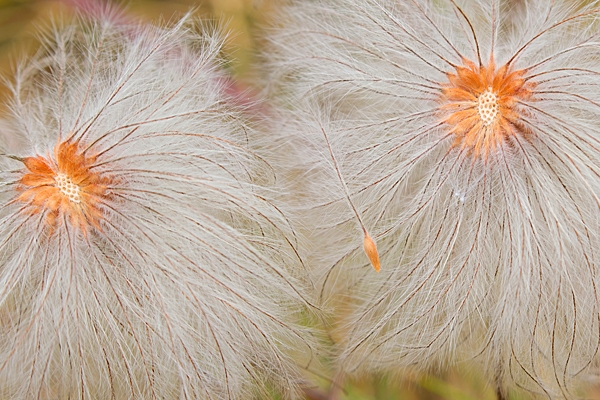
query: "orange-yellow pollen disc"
487, 106
65, 187
68, 188
484, 106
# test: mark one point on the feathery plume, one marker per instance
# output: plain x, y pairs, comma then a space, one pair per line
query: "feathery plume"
469, 143
141, 257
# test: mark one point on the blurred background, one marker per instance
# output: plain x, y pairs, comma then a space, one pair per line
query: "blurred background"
23, 21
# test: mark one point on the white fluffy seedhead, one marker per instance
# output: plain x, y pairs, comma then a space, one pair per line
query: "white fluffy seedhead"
140, 257
470, 147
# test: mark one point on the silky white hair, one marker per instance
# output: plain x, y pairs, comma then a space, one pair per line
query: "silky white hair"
191, 284
494, 261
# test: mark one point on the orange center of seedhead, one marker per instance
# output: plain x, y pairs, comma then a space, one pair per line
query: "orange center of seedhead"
65, 188
481, 105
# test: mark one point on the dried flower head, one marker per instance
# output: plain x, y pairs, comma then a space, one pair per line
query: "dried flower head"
468, 144
66, 186
140, 256
483, 105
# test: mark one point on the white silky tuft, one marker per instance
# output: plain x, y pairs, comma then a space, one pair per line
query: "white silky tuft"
188, 286
490, 258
